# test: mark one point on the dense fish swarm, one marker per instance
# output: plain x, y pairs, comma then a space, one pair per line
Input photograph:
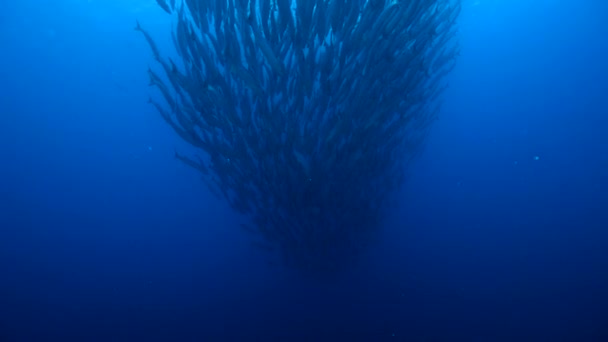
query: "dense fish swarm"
307, 111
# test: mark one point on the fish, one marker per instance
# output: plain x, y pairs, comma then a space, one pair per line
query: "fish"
163, 4
149, 39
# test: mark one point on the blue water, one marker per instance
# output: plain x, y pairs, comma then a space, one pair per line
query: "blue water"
501, 232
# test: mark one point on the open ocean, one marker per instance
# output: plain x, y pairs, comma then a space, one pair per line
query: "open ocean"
499, 233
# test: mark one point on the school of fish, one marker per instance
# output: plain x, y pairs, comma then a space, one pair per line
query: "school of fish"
306, 113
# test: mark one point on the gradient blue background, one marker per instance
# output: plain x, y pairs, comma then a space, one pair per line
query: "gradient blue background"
501, 233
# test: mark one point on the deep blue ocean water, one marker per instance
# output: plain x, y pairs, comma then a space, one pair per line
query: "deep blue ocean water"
500, 234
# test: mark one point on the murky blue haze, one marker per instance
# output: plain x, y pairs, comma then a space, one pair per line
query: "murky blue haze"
501, 232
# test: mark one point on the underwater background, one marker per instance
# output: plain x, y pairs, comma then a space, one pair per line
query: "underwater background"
500, 232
